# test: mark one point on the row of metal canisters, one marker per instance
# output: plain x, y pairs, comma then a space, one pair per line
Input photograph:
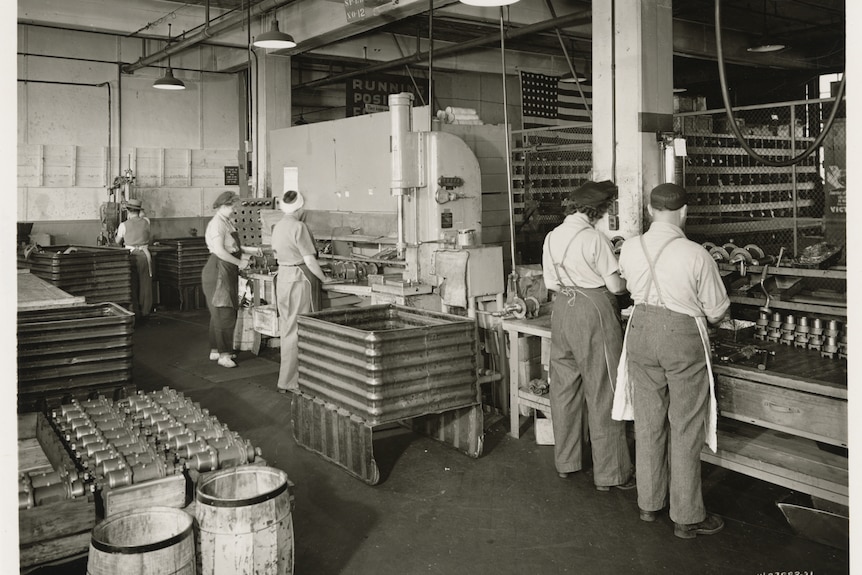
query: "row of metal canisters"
829, 337
146, 436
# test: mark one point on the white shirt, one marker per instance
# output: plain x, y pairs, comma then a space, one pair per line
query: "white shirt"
588, 261
686, 273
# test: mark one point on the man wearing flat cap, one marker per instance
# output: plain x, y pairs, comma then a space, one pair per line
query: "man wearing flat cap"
586, 339
676, 287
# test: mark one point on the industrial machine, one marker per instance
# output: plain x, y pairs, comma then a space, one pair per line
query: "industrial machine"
111, 213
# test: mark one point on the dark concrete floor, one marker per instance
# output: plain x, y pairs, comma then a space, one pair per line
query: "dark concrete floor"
439, 511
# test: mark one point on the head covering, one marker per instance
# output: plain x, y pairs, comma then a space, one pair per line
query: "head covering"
134, 204
667, 197
295, 205
593, 193
225, 199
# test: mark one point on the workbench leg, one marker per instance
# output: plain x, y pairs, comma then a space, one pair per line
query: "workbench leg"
514, 408
461, 428
335, 435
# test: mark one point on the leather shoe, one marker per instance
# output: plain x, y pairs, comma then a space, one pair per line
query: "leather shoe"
709, 526
630, 484
563, 474
648, 516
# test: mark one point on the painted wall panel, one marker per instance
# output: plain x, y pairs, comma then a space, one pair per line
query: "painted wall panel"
161, 118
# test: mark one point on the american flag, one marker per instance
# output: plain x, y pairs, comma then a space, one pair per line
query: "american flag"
547, 102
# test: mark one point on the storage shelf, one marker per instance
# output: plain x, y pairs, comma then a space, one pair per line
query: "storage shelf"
836, 310
694, 169
743, 188
719, 151
753, 226
726, 208
831, 273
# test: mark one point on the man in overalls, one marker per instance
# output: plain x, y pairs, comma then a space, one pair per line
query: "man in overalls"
586, 339
676, 286
134, 234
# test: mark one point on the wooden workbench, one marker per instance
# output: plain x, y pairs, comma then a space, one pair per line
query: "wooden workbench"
786, 425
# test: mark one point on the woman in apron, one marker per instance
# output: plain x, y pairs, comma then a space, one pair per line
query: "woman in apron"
586, 339
220, 278
297, 286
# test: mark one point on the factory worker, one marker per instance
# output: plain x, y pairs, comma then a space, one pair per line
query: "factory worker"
586, 338
220, 278
297, 285
134, 234
676, 288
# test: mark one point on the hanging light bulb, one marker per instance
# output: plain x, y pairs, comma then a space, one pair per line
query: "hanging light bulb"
488, 2
275, 38
168, 82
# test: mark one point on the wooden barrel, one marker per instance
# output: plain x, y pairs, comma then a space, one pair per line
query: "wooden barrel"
149, 541
244, 522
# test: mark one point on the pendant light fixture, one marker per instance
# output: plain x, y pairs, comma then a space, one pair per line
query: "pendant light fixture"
568, 78
766, 43
168, 82
275, 39
488, 3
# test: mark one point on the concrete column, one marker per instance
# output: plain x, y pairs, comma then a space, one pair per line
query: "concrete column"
271, 105
632, 98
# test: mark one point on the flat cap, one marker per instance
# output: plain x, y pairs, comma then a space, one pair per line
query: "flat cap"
668, 197
225, 199
593, 193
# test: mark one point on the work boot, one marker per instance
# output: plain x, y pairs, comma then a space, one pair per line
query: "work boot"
630, 484
709, 526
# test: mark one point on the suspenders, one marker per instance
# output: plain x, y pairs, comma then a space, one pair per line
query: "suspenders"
652, 274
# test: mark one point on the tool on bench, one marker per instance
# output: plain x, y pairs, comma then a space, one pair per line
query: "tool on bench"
740, 351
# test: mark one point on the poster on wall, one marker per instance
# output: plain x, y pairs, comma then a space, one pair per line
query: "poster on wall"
370, 93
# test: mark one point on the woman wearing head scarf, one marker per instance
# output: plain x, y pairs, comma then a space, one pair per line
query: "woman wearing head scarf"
220, 278
586, 339
297, 284
134, 234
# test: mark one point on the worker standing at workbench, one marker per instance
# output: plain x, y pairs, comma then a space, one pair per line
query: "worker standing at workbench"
134, 234
297, 284
586, 339
676, 286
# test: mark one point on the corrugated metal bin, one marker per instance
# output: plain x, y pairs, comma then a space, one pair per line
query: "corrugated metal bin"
385, 363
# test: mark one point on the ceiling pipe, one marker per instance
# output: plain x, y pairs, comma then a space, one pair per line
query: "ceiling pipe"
574, 19
208, 32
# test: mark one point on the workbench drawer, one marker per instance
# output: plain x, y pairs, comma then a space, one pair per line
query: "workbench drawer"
795, 412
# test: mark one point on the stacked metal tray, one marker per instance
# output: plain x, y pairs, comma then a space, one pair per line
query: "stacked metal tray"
73, 352
100, 274
385, 363
182, 267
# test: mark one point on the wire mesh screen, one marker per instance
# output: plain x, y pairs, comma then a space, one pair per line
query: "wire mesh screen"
741, 208
547, 165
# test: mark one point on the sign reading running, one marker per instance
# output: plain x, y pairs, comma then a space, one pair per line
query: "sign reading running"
370, 93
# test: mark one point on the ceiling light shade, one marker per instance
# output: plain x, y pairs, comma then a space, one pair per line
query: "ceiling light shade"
168, 82
567, 77
680, 90
488, 2
274, 38
767, 45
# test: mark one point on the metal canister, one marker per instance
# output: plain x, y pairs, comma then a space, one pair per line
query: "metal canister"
466, 238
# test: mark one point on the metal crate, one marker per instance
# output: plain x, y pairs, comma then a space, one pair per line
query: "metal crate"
98, 273
385, 363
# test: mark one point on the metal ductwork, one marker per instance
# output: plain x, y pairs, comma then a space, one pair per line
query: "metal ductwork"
207, 33
574, 19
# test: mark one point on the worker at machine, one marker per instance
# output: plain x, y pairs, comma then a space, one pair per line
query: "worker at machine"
586, 339
297, 284
134, 234
220, 278
676, 288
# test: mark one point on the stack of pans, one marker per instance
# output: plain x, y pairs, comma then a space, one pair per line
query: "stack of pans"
181, 268
99, 274
73, 353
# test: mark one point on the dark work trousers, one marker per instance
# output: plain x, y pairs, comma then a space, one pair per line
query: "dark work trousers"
586, 341
220, 281
667, 368
142, 284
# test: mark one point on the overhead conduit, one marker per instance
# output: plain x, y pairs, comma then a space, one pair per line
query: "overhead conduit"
204, 35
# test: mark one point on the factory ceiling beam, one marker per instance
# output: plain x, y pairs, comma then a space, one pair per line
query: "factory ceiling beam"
562, 21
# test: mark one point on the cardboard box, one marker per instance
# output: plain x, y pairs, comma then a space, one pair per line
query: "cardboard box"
544, 429
265, 319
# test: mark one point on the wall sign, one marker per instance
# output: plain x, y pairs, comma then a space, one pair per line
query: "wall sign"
370, 93
357, 10
231, 175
